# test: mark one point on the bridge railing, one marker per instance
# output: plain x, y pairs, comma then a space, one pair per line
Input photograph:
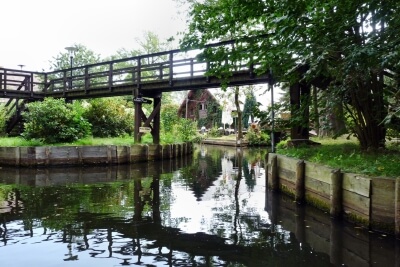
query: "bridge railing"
133, 71
163, 66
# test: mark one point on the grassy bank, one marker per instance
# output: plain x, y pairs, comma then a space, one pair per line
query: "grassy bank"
346, 155
18, 141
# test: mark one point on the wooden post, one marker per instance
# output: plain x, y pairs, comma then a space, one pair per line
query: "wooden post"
300, 182
397, 208
336, 193
266, 171
274, 173
336, 243
156, 121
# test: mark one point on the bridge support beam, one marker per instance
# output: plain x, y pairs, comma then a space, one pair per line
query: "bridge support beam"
152, 122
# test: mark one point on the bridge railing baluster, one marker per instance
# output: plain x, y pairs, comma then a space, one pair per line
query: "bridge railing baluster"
5, 80
110, 77
139, 72
87, 79
65, 82
171, 68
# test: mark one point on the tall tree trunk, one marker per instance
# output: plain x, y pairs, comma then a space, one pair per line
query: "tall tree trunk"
368, 114
315, 109
300, 115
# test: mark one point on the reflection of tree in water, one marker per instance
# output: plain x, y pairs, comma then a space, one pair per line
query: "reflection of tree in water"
248, 174
201, 174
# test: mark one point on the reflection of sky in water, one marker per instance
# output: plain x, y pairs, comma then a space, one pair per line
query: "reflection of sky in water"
216, 210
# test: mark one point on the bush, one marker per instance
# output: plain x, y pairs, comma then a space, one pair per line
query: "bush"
257, 138
54, 121
214, 132
169, 117
3, 120
110, 117
187, 129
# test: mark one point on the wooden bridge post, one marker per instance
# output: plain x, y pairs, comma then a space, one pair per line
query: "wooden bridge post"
138, 118
156, 121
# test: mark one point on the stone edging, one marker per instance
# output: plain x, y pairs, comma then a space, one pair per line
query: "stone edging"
372, 202
89, 155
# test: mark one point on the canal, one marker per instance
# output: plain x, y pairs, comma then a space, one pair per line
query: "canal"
209, 209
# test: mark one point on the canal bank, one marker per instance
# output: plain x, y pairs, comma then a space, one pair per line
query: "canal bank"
371, 202
90, 155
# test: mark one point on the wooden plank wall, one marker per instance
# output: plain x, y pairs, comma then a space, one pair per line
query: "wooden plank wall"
373, 202
89, 155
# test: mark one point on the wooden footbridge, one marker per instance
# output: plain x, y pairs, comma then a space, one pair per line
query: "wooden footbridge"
143, 77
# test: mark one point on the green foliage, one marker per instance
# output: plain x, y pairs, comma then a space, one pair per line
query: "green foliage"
187, 130
147, 138
19, 141
255, 137
348, 47
110, 117
169, 117
214, 115
82, 56
344, 154
3, 119
54, 121
214, 132
250, 105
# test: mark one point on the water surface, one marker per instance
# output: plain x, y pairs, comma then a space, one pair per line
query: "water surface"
209, 209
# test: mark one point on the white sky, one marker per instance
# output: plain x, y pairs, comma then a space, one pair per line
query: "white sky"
34, 31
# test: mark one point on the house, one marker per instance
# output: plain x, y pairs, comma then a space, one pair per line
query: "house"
201, 106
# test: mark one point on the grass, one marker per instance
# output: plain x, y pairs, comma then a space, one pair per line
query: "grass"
346, 155
90, 141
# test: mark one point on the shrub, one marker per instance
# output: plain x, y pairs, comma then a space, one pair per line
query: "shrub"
110, 117
54, 121
3, 120
257, 138
187, 129
215, 132
169, 117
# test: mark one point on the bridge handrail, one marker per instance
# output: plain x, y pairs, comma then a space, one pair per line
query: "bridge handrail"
165, 65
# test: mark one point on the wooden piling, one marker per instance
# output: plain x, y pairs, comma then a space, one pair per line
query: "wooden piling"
300, 182
397, 208
274, 173
336, 193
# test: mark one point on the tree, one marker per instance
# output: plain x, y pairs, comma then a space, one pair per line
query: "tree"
349, 48
248, 110
81, 57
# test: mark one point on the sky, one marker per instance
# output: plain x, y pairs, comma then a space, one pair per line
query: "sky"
35, 31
